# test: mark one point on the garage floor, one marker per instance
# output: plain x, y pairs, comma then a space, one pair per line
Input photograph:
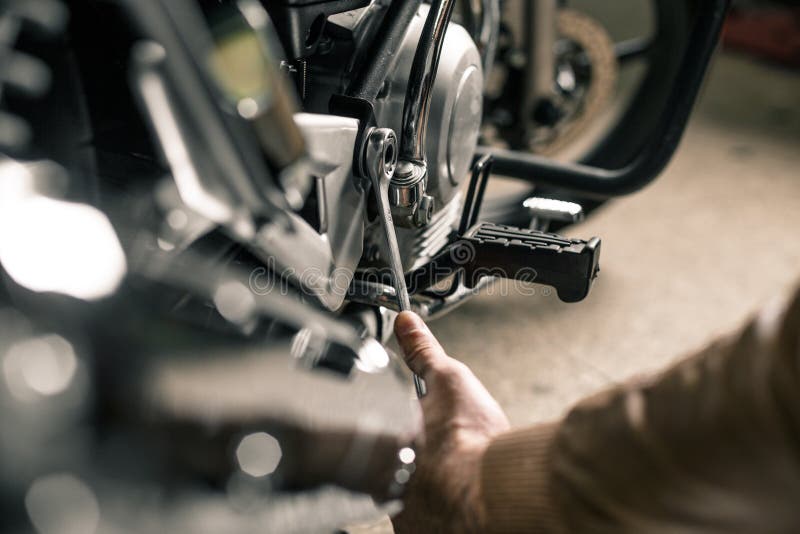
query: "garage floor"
688, 258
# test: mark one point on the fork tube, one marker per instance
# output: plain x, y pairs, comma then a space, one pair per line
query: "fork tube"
540, 38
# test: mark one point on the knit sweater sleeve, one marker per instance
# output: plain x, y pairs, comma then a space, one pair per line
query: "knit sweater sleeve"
710, 445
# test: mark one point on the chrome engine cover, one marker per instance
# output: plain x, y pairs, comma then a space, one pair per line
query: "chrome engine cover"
456, 106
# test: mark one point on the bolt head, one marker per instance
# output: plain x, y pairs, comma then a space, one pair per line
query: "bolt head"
424, 212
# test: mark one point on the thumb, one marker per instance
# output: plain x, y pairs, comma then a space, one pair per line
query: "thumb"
421, 350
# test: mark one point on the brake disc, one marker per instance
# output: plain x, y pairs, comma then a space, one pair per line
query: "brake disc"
582, 32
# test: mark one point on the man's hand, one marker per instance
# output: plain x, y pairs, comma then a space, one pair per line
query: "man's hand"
461, 417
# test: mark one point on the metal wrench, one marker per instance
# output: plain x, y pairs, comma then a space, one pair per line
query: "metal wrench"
380, 161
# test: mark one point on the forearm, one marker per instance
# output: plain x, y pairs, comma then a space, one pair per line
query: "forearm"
515, 485
711, 442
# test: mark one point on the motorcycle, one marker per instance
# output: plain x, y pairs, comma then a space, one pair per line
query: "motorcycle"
212, 211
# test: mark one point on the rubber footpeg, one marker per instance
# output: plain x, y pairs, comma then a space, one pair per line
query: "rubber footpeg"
568, 265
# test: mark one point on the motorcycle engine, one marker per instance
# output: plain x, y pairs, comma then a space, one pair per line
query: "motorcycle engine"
456, 106
454, 118
456, 102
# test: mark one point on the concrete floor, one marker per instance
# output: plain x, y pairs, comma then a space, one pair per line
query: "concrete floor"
683, 261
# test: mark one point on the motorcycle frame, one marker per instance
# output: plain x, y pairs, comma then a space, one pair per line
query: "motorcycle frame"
644, 165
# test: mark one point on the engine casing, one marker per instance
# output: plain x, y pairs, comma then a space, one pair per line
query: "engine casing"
456, 106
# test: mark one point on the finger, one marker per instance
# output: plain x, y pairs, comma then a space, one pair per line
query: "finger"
422, 352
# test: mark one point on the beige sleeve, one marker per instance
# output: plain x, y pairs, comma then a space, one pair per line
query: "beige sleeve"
710, 445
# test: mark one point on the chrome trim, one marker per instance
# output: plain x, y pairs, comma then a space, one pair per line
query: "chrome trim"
421, 79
